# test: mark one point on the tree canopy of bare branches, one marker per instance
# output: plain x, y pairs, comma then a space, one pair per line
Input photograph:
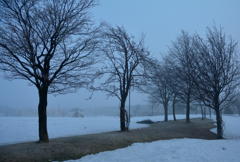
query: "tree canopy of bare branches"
180, 58
49, 43
217, 70
122, 56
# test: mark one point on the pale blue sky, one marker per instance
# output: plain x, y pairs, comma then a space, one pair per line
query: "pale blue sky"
160, 20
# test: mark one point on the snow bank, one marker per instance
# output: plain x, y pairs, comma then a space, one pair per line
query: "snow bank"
172, 150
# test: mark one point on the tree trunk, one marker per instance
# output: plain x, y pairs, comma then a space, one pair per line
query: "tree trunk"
152, 110
210, 112
165, 111
188, 109
174, 114
219, 123
205, 112
201, 111
122, 116
42, 114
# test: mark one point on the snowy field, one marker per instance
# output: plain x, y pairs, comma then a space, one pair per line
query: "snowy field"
25, 129
19, 129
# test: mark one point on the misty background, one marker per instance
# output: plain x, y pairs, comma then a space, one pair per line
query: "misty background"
161, 21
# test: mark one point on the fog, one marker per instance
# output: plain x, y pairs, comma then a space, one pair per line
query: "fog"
161, 21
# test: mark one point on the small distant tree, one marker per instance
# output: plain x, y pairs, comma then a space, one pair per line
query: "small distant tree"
156, 84
216, 74
175, 97
210, 112
203, 110
152, 103
49, 43
122, 56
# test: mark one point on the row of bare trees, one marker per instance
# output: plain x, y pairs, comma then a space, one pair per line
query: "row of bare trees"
196, 69
56, 47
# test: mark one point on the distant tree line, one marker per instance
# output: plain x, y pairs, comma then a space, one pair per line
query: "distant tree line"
56, 47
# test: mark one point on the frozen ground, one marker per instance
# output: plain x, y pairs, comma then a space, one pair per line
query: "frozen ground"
15, 130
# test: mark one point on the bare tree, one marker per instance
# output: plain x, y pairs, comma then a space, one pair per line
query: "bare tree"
174, 83
122, 58
152, 103
48, 43
181, 57
216, 74
157, 84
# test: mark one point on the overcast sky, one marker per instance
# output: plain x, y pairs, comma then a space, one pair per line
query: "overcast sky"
161, 21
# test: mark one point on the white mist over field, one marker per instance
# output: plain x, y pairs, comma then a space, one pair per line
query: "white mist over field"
23, 129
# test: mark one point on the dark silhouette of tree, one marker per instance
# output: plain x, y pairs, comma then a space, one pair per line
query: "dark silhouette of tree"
216, 73
181, 58
156, 84
174, 83
49, 43
122, 58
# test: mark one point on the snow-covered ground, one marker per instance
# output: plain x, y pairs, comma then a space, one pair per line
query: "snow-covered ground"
24, 129
14, 130
180, 150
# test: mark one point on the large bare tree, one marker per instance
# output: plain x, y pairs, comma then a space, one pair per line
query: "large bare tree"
122, 58
49, 43
216, 73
